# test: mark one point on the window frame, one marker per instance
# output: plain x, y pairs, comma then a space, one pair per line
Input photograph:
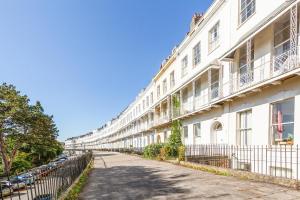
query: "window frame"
194, 130
197, 60
214, 44
271, 125
172, 79
151, 98
165, 86
158, 91
245, 129
184, 66
245, 9
147, 101
185, 134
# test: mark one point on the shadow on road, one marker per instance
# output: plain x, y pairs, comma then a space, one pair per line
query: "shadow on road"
129, 182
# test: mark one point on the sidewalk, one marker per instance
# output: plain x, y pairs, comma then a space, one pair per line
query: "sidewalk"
118, 176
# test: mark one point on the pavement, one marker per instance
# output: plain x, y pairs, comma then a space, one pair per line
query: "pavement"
123, 177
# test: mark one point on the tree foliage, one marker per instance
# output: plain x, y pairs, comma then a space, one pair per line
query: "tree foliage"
175, 141
24, 127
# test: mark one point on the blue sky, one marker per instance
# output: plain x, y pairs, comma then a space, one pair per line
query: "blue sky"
86, 60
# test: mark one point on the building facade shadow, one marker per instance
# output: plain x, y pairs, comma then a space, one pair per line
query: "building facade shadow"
129, 182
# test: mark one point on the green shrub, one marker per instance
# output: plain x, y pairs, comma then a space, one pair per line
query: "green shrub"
152, 150
181, 153
164, 153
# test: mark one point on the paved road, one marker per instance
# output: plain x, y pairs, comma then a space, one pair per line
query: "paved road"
118, 176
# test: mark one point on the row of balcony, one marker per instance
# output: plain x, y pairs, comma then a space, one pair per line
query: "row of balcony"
252, 78
240, 80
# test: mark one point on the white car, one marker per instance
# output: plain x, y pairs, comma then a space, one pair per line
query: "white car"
17, 184
6, 191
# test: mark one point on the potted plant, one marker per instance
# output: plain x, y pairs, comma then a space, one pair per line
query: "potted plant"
290, 139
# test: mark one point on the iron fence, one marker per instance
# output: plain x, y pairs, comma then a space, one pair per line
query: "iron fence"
136, 150
278, 160
45, 182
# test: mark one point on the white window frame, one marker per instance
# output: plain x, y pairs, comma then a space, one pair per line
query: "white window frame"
184, 66
158, 91
246, 8
245, 132
172, 79
197, 54
214, 37
165, 86
151, 98
273, 141
147, 101
195, 128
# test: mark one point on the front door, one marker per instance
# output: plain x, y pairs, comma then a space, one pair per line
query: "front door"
217, 134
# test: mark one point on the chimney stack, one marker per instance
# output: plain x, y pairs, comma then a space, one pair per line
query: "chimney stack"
195, 19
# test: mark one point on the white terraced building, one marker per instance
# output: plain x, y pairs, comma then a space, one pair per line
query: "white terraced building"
235, 77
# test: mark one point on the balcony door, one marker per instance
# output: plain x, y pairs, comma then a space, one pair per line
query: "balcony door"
246, 68
214, 83
281, 44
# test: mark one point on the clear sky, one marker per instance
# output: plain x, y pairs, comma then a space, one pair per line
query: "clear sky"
86, 60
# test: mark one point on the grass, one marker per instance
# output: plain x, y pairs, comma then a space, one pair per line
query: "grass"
78, 186
207, 169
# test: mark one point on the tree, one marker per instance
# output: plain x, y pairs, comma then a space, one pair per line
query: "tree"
21, 124
174, 141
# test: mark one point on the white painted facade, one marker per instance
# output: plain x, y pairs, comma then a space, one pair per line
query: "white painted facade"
230, 95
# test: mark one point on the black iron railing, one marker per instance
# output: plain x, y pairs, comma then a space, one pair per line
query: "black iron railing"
45, 182
278, 160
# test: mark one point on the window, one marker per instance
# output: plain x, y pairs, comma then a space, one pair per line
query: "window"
144, 104
165, 86
151, 98
172, 79
283, 122
247, 8
213, 40
184, 65
185, 132
245, 127
197, 130
196, 54
158, 91
147, 102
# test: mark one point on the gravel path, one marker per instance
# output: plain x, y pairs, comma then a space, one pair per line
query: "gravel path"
118, 176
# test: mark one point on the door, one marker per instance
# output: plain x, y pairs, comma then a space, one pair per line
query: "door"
217, 133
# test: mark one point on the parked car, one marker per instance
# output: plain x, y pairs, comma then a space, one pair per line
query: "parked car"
43, 197
17, 184
60, 161
51, 165
27, 178
6, 190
